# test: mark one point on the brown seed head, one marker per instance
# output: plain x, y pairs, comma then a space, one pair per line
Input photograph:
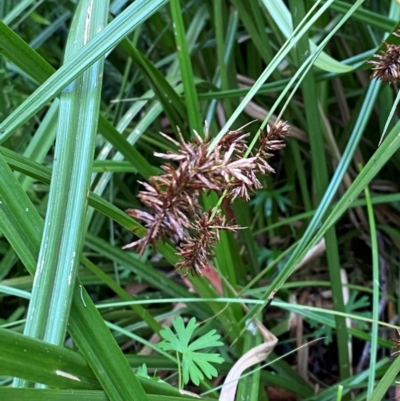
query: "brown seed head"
172, 198
387, 65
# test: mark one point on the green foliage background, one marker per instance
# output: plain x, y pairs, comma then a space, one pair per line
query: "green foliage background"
70, 158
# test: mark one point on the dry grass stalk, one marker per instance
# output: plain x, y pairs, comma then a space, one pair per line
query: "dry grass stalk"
172, 198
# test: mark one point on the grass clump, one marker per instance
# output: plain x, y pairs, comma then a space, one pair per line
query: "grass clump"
275, 286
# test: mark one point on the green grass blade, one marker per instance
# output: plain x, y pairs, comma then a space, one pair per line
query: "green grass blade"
89, 54
371, 18
12, 47
387, 380
320, 172
17, 51
375, 289
279, 57
190, 92
56, 367
20, 221
63, 232
78, 395
331, 190
377, 161
42, 141
142, 313
118, 380
166, 94
42, 361
137, 160
108, 380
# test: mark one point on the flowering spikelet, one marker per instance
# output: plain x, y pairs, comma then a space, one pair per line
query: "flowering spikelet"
172, 198
197, 250
387, 65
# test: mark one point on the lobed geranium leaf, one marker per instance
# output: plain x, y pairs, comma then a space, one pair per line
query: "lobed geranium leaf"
209, 339
194, 364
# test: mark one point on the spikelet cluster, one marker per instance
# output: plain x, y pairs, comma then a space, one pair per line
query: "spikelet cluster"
387, 64
171, 199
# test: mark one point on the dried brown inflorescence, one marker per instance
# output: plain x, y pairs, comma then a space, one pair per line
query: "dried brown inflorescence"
387, 65
172, 198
